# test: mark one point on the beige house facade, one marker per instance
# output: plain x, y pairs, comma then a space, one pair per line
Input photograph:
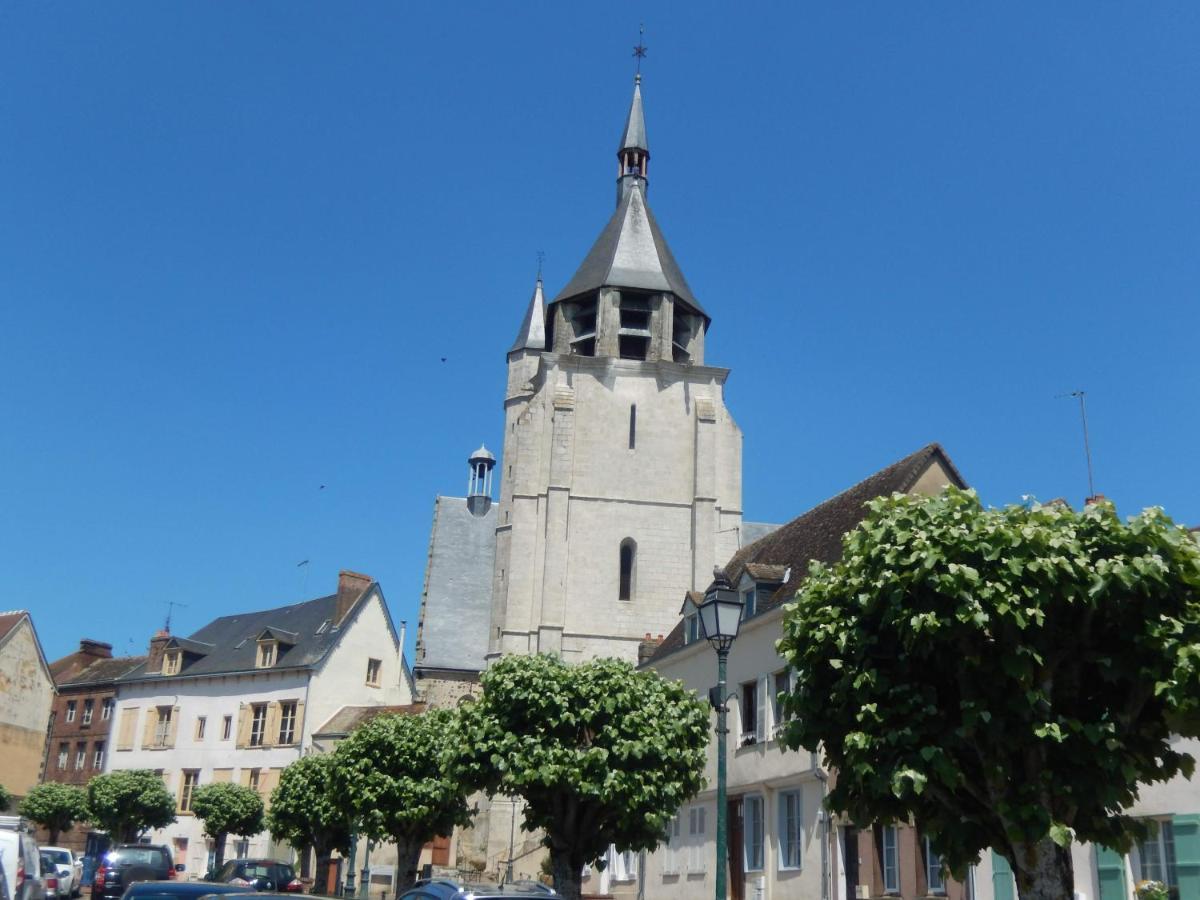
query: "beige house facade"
26, 696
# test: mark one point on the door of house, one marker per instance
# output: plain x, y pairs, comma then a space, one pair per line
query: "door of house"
737, 859
850, 856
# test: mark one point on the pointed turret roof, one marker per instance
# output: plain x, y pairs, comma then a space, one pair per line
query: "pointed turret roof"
634, 136
631, 252
532, 335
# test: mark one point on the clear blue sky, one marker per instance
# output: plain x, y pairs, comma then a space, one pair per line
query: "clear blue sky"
237, 239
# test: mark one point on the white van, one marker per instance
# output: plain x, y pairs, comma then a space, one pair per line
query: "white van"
21, 859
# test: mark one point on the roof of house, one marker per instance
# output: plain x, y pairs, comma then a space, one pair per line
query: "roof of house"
456, 604
230, 643
348, 718
9, 620
103, 670
817, 534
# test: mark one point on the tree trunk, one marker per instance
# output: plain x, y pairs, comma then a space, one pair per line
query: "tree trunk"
53, 832
321, 875
219, 851
567, 869
408, 855
1043, 871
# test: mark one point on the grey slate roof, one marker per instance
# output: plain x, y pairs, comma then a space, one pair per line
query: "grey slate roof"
631, 252
634, 135
532, 334
456, 607
233, 639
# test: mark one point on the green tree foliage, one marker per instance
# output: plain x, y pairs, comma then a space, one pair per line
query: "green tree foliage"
128, 802
389, 771
5, 798
1004, 677
227, 809
309, 813
601, 753
56, 807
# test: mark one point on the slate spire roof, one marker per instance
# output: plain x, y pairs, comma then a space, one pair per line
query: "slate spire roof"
634, 135
532, 334
631, 251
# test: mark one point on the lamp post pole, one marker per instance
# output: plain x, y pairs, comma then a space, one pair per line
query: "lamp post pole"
722, 803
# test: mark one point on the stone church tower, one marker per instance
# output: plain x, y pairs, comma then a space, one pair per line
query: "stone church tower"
621, 482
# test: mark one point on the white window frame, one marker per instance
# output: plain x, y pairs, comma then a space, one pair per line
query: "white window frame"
187, 787
64, 754
70, 710
749, 602
162, 728
171, 662
754, 819
258, 724
374, 672
287, 722
89, 707
98, 756
80, 755
777, 716
786, 838
622, 864
226, 728
935, 878
890, 885
267, 654
1165, 861
749, 703
106, 709
691, 628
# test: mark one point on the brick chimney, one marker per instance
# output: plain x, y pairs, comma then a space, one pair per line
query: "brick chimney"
95, 649
1094, 499
647, 646
158, 644
350, 587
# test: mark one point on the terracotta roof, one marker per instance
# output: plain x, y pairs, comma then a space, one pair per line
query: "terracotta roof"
817, 534
103, 670
9, 620
348, 718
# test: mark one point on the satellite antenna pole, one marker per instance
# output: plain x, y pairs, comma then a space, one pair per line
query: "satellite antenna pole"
1087, 450
171, 604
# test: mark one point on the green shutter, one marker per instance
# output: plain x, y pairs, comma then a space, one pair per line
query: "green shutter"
1110, 867
1002, 878
1187, 855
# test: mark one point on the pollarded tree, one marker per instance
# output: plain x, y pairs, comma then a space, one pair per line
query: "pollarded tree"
5, 798
310, 813
600, 752
1005, 677
56, 807
128, 802
227, 809
390, 773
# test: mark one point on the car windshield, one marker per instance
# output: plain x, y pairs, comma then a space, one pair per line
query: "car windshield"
59, 856
137, 856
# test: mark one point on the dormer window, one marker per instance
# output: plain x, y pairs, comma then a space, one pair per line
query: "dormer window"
172, 661
267, 653
691, 628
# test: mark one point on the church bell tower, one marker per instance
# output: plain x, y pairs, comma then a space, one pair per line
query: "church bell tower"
621, 470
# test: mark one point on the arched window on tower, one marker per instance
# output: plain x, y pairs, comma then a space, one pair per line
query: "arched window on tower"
628, 568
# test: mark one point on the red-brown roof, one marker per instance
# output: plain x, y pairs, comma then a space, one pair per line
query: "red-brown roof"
817, 534
348, 718
9, 620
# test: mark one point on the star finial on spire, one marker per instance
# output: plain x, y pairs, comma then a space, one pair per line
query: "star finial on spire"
640, 50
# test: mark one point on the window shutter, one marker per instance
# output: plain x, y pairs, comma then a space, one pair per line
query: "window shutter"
299, 739
243, 726
174, 729
148, 729
222, 776
268, 779
761, 729
1187, 854
244, 777
1110, 867
128, 727
271, 727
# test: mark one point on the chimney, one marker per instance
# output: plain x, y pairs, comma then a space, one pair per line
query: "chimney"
158, 644
1094, 499
350, 587
95, 649
647, 646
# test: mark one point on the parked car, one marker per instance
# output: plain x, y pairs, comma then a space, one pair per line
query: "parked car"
21, 860
125, 864
182, 890
260, 874
57, 885
447, 889
69, 868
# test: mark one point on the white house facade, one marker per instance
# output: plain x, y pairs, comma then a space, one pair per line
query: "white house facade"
238, 700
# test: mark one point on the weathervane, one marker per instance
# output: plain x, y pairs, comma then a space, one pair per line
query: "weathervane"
640, 50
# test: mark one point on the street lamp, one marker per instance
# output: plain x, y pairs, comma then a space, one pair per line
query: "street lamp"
720, 617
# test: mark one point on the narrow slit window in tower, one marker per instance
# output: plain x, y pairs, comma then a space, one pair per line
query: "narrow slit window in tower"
632, 426
628, 568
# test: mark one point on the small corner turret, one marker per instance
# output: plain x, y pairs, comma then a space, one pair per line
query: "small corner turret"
479, 486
